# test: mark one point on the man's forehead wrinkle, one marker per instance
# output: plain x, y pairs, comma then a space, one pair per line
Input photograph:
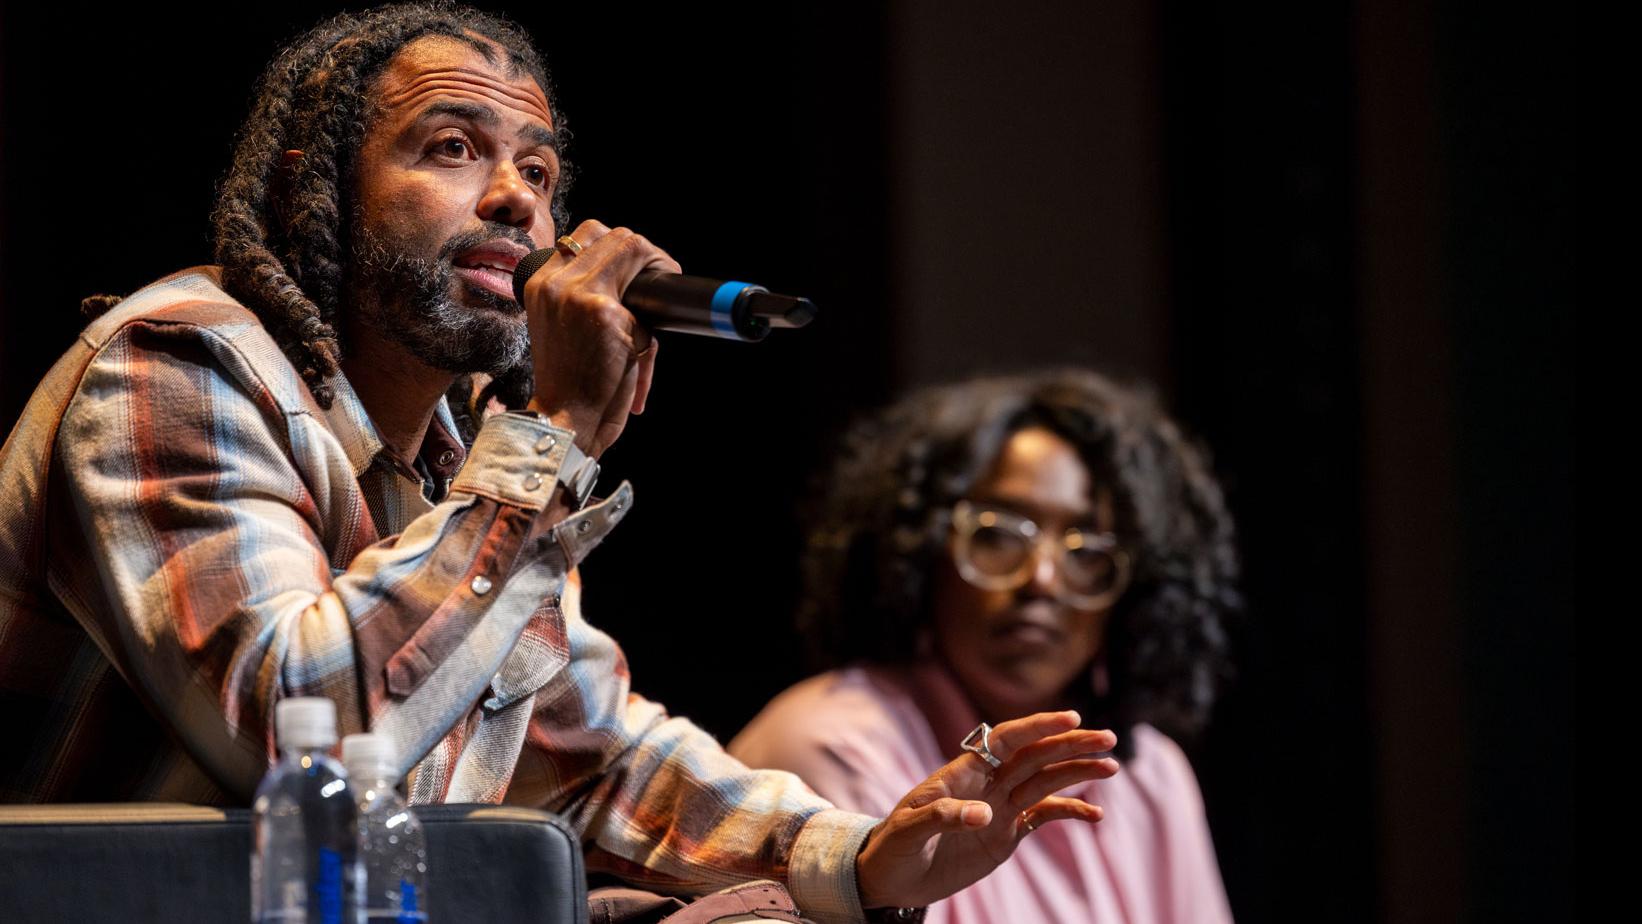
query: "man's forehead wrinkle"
461, 78
477, 112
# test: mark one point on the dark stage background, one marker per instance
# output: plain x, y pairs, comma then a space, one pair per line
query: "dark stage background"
1339, 239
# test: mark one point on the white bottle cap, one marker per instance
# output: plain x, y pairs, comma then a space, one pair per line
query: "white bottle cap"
368, 755
304, 723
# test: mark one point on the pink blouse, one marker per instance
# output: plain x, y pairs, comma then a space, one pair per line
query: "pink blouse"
863, 737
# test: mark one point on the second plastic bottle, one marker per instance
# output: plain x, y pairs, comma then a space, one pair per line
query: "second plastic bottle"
392, 846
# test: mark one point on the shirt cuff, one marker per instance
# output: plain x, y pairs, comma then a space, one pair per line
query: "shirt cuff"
515, 460
821, 870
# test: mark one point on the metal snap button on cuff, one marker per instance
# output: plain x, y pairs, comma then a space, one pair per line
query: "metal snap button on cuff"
532, 481
481, 585
545, 444
447, 457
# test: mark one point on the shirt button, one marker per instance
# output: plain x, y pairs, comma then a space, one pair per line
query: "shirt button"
481, 585
533, 481
545, 443
447, 457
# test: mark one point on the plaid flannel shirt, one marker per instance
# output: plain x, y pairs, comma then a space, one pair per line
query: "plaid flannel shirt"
188, 537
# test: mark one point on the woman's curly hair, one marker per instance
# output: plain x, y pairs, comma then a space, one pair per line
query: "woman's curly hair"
281, 230
884, 518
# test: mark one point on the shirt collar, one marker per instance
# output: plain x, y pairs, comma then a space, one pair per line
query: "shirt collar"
442, 452
352, 426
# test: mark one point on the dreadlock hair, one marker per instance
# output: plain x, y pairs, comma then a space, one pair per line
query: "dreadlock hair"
883, 519
281, 229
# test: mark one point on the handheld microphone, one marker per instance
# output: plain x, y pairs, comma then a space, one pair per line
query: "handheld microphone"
694, 304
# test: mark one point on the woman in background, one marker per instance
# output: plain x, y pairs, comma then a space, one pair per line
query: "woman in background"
1007, 546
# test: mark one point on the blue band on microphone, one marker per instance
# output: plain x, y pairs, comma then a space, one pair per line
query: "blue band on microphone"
723, 302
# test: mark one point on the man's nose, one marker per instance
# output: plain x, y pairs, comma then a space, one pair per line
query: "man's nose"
508, 199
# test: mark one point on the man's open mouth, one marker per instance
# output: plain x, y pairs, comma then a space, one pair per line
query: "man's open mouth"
490, 266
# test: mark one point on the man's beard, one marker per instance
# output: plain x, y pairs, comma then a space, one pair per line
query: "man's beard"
412, 301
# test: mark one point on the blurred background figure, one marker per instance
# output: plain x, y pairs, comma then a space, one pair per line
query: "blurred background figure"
1003, 546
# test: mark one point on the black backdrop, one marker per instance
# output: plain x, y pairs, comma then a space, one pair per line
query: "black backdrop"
1338, 239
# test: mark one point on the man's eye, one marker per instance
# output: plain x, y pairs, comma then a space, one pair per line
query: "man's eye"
535, 175
451, 147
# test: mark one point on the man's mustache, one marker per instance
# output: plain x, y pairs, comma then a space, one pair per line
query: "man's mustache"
491, 231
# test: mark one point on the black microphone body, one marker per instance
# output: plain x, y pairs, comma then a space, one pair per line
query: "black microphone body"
695, 304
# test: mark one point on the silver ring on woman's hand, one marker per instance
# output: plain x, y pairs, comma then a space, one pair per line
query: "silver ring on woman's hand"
568, 246
979, 743
1026, 819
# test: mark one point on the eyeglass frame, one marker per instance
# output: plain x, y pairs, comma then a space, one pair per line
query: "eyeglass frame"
966, 522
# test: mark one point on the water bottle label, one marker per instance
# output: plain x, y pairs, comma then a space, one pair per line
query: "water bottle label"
408, 911
328, 890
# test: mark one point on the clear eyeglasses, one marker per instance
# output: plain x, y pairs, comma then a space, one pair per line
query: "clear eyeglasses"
998, 550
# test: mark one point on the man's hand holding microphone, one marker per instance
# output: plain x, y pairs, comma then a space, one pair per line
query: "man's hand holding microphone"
592, 359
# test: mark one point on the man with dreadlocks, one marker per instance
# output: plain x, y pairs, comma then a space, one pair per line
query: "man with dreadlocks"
243, 483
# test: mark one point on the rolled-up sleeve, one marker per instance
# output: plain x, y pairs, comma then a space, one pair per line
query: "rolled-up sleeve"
659, 803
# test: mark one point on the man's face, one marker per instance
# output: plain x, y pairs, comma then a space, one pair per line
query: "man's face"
456, 178
1023, 650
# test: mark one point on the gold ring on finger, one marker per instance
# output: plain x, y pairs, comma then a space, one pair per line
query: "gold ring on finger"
1026, 819
568, 246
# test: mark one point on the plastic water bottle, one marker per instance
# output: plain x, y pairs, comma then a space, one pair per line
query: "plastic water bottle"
392, 846
305, 863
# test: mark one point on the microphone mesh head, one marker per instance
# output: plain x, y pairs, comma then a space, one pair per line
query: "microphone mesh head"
526, 269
